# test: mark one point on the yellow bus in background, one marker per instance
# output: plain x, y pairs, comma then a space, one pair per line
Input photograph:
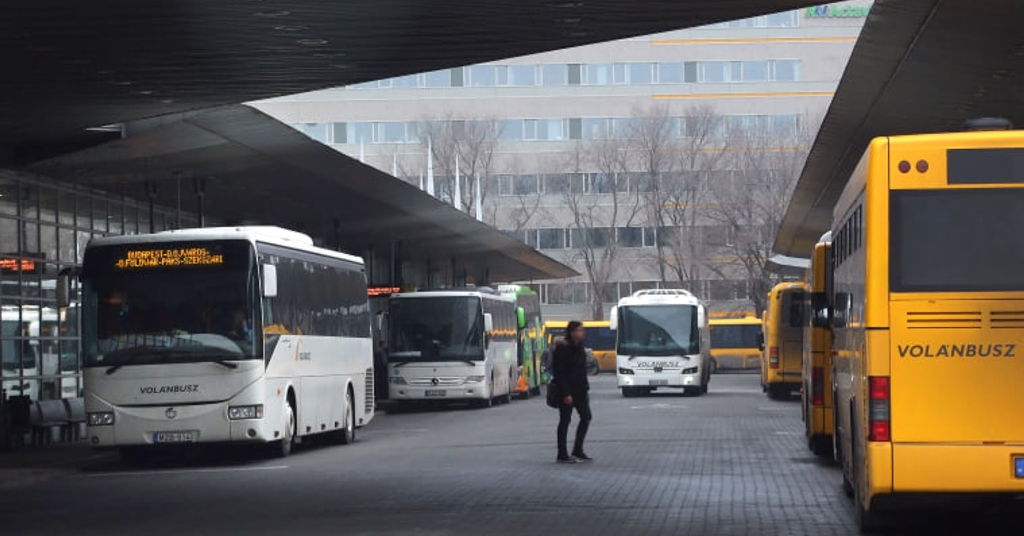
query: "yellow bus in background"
816, 394
928, 322
599, 338
784, 340
735, 343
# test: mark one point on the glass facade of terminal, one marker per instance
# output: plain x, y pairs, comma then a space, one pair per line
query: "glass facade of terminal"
44, 228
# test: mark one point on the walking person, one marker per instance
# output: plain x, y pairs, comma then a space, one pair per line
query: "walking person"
569, 364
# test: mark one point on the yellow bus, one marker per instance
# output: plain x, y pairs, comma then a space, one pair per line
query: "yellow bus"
600, 340
735, 343
816, 394
784, 336
928, 321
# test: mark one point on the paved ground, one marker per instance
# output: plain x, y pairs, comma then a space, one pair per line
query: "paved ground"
729, 463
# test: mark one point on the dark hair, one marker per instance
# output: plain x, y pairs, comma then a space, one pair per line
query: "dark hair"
572, 326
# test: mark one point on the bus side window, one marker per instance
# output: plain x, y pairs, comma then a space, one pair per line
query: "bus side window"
841, 310
796, 309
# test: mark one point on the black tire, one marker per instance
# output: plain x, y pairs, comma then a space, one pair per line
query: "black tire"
821, 446
507, 399
593, 368
714, 366
868, 522
347, 434
282, 448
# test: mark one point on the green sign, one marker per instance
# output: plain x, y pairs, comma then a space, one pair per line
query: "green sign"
837, 12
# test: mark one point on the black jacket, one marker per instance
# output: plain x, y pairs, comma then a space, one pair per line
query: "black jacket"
569, 364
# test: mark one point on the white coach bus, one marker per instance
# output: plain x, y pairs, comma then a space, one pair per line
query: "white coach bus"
248, 334
661, 342
451, 345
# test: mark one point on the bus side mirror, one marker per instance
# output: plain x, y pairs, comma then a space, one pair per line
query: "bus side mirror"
820, 317
760, 341
701, 316
269, 281
488, 323
63, 290
521, 318
613, 319
382, 321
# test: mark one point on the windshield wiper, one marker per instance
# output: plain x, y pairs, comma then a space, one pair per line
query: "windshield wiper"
225, 363
132, 354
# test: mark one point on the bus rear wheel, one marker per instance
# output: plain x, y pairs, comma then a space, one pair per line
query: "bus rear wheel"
283, 447
347, 434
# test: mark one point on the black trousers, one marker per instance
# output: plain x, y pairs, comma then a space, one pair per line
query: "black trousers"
582, 406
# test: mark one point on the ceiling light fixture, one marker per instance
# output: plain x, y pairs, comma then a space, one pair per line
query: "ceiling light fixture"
290, 28
268, 14
312, 42
564, 5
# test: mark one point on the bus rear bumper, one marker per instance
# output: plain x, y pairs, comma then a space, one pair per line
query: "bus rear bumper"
920, 468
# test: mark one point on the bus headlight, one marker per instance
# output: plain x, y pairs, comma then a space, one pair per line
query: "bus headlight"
625, 370
691, 370
474, 379
398, 380
101, 418
236, 413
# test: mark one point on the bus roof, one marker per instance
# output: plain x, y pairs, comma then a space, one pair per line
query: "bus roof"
453, 293
746, 321
258, 233
660, 297
586, 323
787, 286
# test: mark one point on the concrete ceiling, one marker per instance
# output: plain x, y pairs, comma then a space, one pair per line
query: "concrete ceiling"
257, 169
919, 66
72, 65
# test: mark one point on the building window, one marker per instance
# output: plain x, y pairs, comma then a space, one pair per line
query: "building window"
755, 71
631, 237
522, 75
554, 74
317, 131
339, 133
598, 74
524, 185
556, 184
787, 70
690, 72
575, 74
510, 130
405, 82
391, 132
786, 19
361, 133
595, 128
438, 78
550, 129
650, 237
551, 238
481, 76
713, 72
575, 128
670, 73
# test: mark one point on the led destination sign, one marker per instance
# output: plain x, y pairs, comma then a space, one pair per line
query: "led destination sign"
168, 258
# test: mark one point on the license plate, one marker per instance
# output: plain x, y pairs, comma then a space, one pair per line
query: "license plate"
434, 392
658, 382
174, 437
1018, 467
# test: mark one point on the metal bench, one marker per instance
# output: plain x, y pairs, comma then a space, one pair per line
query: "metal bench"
47, 415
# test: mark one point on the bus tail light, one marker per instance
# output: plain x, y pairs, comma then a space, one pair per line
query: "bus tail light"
879, 425
817, 386
773, 357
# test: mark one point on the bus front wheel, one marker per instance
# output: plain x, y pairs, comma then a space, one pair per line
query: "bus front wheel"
284, 446
347, 434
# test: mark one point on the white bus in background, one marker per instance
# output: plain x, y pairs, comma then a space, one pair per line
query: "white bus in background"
19, 360
451, 345
661, 342
248, 334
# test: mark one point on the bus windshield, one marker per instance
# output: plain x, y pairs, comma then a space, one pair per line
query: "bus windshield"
658, 330
735, 336
193, 303
436, 329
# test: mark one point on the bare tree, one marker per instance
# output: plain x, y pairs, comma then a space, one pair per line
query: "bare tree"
600, 167
471, 143
678, 165
765, 167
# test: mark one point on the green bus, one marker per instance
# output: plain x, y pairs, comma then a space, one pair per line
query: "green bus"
531, 344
